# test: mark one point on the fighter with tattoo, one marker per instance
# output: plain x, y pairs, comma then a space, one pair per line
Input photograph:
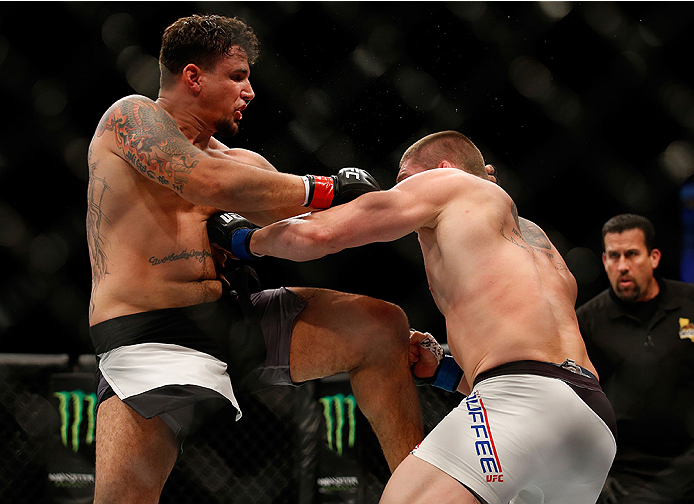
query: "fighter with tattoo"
172, 342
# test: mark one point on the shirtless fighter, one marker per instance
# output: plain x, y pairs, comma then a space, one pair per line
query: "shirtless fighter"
535, 426
160, 320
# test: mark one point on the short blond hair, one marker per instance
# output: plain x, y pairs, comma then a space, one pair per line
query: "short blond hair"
450, 146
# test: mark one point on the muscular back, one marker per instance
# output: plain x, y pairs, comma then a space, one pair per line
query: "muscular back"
504, 289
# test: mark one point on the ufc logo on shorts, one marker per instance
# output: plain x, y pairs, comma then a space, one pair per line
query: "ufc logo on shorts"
491, 478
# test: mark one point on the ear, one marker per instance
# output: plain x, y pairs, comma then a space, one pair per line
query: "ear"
655, 258
445, 164
191, 77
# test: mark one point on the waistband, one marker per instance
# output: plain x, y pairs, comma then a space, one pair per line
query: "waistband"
202, 327
567, 371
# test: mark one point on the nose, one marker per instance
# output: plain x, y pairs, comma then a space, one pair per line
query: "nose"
247, 93
622, 264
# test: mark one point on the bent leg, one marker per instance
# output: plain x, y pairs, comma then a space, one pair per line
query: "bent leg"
134, 456
418, 482
368, 338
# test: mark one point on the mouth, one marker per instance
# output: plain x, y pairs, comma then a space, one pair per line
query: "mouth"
625, 282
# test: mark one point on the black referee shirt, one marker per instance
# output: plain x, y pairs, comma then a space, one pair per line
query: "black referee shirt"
644, 354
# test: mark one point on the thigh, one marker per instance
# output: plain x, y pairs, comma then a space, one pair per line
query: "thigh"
134, 455
418, 482
338, 332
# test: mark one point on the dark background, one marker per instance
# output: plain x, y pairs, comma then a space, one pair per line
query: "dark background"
586, 110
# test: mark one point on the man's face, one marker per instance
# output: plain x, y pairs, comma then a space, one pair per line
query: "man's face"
629, 266
228, 91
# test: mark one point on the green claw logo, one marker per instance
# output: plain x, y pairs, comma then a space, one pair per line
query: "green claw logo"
83, 406
337, 409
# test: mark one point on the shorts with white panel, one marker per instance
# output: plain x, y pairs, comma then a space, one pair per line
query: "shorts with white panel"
529, 432
180, 363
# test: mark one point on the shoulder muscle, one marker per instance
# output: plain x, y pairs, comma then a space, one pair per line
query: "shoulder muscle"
148, 138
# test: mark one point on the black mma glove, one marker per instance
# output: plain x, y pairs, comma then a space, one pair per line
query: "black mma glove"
232, 233
325, 192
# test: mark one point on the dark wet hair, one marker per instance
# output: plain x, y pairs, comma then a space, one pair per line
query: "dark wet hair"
203, 40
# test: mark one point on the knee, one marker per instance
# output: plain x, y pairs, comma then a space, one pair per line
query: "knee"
388, 322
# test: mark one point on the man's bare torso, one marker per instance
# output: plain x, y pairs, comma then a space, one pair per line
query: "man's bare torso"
148, 246
505, 291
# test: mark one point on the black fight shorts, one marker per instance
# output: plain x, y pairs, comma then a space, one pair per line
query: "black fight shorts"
179, 363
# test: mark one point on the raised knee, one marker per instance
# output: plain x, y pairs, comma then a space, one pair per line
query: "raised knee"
389, 320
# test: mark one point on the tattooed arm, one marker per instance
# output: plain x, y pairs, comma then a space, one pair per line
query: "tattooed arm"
148, 138
261, 218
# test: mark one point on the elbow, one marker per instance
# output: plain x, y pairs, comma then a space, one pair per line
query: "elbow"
207, 186
326, 240
319, 236
200, 190
313, 242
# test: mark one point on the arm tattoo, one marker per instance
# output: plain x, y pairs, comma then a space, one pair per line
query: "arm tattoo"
96, 190
151, 141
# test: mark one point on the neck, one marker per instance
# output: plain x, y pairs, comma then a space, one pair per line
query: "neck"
652, 291
188, 122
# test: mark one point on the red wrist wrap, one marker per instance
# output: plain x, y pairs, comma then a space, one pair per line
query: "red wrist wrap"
323, 192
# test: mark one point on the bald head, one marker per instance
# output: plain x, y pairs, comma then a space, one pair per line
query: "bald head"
446, 148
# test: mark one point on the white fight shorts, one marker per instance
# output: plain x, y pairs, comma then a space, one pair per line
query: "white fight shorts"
529, 432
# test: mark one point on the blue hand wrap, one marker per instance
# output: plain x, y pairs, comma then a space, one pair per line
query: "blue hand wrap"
448, 374
240, 240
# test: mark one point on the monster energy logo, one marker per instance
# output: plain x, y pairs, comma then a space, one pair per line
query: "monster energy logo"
337, 409
71, 419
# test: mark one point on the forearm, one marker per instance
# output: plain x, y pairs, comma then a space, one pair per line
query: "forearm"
374, 217
243, 188
268, 217
294, 239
